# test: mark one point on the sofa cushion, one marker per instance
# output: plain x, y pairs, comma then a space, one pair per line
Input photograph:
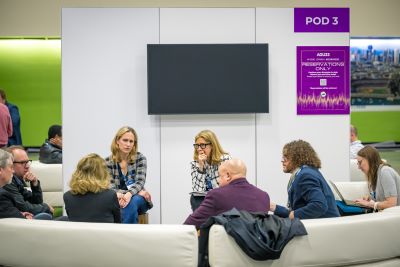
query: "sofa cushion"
330, 242
56, 243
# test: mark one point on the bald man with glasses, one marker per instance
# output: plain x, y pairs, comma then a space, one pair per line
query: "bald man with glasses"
26, 200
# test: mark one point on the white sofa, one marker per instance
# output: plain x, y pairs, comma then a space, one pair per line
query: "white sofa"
51, 181
355, 173
364, 240
56, 243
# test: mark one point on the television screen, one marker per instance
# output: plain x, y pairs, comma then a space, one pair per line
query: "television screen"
207, 78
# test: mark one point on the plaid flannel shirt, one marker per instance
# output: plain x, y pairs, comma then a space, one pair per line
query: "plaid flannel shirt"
136, 172
210, 172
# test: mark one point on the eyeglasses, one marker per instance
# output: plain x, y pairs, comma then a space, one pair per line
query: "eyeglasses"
26, 163
202, 146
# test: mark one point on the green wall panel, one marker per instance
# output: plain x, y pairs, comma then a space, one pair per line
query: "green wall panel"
377, 126
30, 73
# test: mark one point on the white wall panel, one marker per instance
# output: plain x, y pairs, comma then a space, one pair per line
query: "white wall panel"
235, 132
104, 85
328, 134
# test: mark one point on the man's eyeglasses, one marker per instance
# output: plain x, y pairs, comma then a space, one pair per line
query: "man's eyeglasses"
202, 146
26, 163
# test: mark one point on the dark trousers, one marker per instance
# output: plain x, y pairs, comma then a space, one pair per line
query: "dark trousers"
195, 201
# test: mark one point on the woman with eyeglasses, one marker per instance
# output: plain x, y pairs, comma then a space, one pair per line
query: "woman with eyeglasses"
208, 155
383, 181
128, 167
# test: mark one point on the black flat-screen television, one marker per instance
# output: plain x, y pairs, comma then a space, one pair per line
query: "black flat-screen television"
207, 78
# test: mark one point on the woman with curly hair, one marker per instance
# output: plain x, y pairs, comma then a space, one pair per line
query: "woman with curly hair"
90, 199
309, 195
383, 180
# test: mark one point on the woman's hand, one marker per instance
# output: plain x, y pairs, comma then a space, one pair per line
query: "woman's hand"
127, 198
202, 158
146, 195
365, 203
272, 206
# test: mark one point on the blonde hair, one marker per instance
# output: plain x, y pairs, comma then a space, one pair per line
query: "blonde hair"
91, 175
216, 149
115, 151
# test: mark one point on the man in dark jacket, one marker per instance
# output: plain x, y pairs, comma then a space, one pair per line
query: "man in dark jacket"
234, 192
51, 150
309, 195
29, 201
8, 207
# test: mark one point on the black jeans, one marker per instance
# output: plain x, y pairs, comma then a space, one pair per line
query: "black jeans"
195, 201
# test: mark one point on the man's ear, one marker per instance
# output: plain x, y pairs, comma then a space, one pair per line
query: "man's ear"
229, 176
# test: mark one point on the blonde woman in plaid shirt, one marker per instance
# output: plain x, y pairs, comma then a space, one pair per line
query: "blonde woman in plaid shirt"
128, 169
208, 155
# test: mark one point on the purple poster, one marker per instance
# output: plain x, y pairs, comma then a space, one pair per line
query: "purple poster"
323, 80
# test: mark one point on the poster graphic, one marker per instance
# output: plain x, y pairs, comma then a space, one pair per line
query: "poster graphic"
323, 80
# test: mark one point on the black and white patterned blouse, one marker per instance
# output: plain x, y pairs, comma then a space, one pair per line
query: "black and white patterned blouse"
203, 181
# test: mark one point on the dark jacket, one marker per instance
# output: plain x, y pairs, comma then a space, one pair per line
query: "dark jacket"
15, 138
8, 207
309, 196
50, 153
93, 207
31, 201
259, 235
238, 194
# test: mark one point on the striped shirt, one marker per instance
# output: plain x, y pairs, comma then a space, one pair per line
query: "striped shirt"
207, 179
134, 179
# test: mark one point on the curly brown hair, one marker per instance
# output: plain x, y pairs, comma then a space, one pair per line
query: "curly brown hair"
300, 153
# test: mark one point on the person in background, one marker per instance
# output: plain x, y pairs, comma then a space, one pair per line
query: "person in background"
355, 144
6, 128
51, 150
309, 195
234, 192
8, 205
15, 138
26, 200
128, 167
208, 155
90, 199
383, 181
8, 208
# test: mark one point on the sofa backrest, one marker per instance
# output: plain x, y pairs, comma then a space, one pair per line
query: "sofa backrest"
352, 240
51, 181
355, 173
56, 243
351, 190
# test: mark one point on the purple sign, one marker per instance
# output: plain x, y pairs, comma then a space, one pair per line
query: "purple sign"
323, 80
321, 20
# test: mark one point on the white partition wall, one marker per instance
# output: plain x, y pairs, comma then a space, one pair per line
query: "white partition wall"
328, 134
235, 132
104, 83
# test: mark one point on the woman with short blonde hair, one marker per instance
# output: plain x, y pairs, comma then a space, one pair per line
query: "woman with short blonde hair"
90, 199
207, 156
